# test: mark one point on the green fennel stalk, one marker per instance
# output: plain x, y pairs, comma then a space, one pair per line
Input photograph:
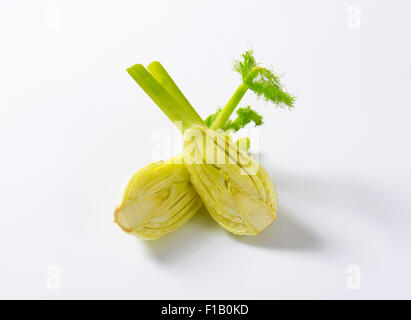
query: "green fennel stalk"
230, 107
175, 110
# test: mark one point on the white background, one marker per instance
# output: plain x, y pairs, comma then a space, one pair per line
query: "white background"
74, 126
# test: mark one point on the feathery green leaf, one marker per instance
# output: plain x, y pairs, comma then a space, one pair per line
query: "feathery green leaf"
262, 81
244, 117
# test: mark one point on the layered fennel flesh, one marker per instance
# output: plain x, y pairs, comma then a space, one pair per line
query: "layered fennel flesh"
158, 199
235, 189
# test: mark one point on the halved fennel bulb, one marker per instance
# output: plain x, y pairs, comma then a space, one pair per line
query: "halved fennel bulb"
235, 189
158, 199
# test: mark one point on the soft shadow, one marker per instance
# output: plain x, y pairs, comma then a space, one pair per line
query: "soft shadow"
320, 195
333, 191
286, 233
184, 242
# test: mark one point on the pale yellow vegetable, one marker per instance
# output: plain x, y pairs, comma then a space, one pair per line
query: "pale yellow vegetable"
235, 189
158, 199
